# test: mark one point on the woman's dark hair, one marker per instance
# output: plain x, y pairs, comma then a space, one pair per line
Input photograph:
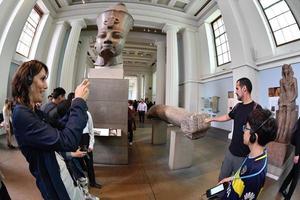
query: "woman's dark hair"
23, 78
71, 96
263, 124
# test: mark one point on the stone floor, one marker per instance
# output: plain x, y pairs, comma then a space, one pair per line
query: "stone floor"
146, 177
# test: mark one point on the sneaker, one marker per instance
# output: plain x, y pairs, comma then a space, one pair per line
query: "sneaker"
91, 197
96, 185
283, 193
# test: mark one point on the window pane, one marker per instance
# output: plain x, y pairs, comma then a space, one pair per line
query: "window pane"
266, 3
279, 37
28, 32
282, 21
218, 41
275, 24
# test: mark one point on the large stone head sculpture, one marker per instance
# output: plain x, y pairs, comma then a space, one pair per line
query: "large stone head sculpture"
113, 27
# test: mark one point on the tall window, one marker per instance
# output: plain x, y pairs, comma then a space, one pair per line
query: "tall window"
221, 42
28, 32
282, 21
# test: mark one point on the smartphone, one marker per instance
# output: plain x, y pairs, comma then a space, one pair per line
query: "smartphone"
216, 190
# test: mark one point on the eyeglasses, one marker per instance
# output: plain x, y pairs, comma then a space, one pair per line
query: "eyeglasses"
245, 128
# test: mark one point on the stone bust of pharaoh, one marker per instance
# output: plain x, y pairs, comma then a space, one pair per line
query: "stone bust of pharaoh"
113, 27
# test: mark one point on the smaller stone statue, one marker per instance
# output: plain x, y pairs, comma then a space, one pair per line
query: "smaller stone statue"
287, 113
192, 124
113, 27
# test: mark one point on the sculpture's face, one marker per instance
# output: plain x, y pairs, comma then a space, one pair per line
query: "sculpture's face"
110, 42
286, 69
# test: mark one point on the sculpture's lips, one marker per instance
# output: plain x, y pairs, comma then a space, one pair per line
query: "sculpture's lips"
107, 46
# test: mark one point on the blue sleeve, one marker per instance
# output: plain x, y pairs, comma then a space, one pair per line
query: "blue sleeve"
33, 132
252, 188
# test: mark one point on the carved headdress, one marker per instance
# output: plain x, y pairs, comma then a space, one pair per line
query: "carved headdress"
117, 16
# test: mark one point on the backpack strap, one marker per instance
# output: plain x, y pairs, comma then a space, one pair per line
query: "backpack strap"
255, 105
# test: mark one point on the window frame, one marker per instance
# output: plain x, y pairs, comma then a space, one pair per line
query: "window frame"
216, 52
40, 13
270, 27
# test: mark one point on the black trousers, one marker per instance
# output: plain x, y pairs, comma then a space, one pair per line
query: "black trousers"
87, 162
130, 130
142, 116
291, 179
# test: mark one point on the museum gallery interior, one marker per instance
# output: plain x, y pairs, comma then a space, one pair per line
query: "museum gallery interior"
185, 60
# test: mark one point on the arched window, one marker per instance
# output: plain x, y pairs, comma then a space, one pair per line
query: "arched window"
28, 32
221, 42
281, 20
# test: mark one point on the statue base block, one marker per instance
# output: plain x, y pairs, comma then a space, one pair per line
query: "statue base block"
181, 150
159, 131
278, 157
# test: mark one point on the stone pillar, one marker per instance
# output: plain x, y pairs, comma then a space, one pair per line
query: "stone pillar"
190, 70
54, 54
67, 77
237, 33
82, 66
139, 87
6, 9
159, 131
40, 43
160, 72
172, 79
10, 37
148, 84
181, 150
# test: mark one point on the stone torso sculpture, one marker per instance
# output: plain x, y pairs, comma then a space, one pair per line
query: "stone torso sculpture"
113, 27
192, 124
287, 114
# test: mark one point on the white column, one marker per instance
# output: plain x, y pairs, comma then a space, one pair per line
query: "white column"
238, 36
9, 41
54, 53
40, 40
148, 83
67, 77
190, 70
82, 64
160, 72
139, 86
6, 9
172, 79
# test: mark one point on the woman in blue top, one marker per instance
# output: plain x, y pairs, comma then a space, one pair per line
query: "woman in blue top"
249, 180
37, 139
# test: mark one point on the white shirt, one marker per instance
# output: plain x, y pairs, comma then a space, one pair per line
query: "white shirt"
89, 128
142, 107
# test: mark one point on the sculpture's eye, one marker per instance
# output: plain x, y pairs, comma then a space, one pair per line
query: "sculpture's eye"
117, 35
102, 35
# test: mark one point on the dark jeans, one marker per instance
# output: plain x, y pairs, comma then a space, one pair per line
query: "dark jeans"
142, 116
87, 162
130, 130
3, 192
291, 179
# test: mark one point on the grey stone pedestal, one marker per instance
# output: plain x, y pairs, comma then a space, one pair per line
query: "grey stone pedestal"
181, 150
159, 131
